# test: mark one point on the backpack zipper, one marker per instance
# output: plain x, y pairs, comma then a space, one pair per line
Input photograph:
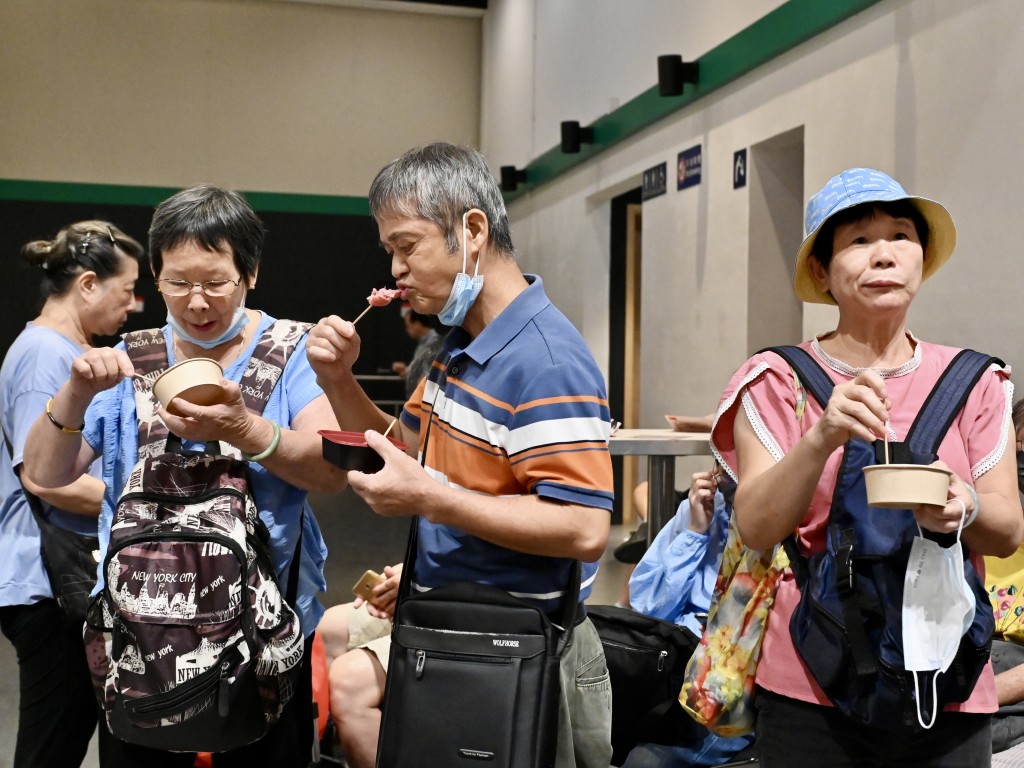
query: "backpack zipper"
662, 654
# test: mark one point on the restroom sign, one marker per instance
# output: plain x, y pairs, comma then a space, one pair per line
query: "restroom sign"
655, 181
739, 168
688, 167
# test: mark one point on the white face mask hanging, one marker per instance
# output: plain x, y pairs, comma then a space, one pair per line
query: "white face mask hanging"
938, 608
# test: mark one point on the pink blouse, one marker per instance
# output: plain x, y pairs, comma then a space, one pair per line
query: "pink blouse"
781, 412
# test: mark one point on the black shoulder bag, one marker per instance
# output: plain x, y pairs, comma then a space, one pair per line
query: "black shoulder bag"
473, 675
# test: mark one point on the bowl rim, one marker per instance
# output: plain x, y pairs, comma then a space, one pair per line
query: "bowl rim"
901, 467
330, 435
184, 363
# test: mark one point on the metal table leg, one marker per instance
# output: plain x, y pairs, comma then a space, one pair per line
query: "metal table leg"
661, 493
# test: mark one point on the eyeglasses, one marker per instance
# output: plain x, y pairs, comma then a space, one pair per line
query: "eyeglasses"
215, 289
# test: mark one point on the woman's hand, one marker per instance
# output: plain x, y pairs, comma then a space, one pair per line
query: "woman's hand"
229, 421
946, 519
857, 408
332, 347
703, 486
98, 369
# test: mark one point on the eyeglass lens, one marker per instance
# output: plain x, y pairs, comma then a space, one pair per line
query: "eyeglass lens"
214, 288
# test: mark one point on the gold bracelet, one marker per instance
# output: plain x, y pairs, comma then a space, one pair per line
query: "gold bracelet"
58, 425
274, 442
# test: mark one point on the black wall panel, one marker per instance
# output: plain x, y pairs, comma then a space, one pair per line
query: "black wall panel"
313, 265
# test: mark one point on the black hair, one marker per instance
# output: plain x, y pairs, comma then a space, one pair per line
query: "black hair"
212, 217
85, 246
821, 249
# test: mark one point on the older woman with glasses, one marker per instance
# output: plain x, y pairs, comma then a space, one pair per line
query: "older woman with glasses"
88, 286
205, 245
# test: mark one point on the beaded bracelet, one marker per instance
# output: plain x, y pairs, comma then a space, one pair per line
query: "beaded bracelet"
266, 453
57, 424
977, 505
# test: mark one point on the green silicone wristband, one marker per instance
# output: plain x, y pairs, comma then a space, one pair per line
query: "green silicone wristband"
269, 450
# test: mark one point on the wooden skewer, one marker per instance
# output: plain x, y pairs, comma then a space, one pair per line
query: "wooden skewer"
368, 308
886, 441
393, 422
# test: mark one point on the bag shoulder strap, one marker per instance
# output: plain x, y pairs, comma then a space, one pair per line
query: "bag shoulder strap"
572, 594
808, 370
947, 399
148, 352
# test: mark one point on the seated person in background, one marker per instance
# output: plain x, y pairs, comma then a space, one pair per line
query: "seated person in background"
1004, 578
421, 329
348, 626
674, 581
633, 546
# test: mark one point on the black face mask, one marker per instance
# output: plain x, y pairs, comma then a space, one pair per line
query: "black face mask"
1020, 471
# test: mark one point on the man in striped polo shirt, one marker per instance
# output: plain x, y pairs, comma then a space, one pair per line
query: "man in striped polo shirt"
517, 482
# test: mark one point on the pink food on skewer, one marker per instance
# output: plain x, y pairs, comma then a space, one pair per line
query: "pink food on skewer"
381, 297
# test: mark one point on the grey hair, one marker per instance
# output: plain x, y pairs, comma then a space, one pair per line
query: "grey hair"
439, 182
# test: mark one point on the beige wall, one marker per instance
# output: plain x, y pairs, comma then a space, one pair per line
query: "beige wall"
926, 90
257, 95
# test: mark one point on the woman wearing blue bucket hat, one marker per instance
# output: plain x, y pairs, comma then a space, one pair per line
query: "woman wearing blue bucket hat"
864, 661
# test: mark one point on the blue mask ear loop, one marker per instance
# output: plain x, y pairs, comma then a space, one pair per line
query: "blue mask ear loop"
936, 673
465, 249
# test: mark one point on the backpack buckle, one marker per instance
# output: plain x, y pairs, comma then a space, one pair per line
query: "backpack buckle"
844, 570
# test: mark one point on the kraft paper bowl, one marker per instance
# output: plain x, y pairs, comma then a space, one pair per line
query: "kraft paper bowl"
906, 486
196, 380
349, 450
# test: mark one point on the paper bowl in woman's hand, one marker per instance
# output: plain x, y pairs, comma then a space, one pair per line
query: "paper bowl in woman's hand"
196, 380
349, 450
906, 486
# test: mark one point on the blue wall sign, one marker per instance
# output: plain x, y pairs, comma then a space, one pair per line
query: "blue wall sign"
688, 168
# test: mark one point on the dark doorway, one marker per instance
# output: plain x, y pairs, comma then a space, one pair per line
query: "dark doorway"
623, 293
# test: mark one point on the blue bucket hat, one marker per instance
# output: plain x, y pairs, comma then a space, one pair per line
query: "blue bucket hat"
855, 187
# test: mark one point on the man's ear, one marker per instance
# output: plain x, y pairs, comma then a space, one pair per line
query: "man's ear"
252, 279
478, 229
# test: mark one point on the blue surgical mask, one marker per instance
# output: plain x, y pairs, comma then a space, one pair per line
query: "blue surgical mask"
465, 289
238, 322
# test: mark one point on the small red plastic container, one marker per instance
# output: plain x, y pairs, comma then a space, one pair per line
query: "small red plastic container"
349, 450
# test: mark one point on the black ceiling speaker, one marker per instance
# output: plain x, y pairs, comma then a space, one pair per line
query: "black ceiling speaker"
573, 136
510, 177
673, 72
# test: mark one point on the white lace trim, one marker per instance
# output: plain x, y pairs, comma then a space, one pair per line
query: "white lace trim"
766, 438
844, 369
993, 458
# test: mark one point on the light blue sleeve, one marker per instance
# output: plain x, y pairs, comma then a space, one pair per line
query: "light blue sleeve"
661, 580
675, 579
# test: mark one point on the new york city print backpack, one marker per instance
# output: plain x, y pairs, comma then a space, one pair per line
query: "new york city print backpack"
191, 645
848, 627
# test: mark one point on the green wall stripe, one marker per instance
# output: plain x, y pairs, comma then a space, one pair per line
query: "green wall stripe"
784, 28
114, 194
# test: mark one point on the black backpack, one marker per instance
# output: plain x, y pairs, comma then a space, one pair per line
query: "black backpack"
848, 626
646, 660
191, 645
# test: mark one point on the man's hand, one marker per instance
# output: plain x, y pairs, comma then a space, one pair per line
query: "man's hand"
397, 490
332, 347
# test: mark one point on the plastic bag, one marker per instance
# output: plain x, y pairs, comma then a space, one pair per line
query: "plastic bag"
718, 686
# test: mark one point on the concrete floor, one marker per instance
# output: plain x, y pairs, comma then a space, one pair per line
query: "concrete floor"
357, 539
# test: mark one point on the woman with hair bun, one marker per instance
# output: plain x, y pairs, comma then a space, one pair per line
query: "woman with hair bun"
88, 289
